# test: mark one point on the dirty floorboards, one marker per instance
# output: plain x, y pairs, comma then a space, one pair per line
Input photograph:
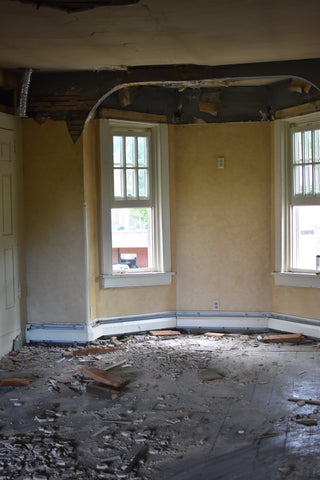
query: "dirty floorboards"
191, 407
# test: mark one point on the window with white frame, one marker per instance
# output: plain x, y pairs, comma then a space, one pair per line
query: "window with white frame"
297, 181
134, 204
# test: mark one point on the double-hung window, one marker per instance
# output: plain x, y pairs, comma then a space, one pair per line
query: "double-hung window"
297, 181
135, 222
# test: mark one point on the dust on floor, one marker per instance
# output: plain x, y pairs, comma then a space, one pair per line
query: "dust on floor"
195, 407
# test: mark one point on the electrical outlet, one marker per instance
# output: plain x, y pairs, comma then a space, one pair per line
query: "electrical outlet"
216, 305
220, 162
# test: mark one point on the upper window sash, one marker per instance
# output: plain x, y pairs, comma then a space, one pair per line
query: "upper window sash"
305, 164
131, 168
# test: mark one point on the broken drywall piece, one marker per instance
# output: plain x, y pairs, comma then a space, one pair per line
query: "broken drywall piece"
283, 338
101, 376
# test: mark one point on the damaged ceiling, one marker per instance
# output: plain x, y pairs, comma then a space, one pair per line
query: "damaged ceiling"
156, 32
210, 62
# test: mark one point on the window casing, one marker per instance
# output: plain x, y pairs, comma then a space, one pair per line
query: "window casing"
134, 184
297, 201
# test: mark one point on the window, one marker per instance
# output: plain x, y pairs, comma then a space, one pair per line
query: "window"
297, 182
134, 204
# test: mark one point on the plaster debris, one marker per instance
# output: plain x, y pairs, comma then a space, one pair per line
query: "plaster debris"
188, 397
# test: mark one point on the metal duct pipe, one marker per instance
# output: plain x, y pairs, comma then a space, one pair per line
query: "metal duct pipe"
22, 108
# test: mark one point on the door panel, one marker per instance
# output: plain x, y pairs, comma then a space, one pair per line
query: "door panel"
9, 273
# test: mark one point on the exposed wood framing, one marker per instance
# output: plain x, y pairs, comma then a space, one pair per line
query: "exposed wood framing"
297, 111
131, 116
75, 96
209, 107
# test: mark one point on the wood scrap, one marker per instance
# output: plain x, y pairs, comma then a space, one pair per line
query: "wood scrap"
14, 382
307, 421
283, 338
137, 457
164, 333
101, 376
214, 334
308, 401
116, 342
102, 391
93, 351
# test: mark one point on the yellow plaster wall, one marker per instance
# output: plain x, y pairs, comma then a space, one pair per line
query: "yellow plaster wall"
53, 195
223, 216
116, 301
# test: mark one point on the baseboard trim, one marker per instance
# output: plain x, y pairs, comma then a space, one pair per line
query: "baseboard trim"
189, 320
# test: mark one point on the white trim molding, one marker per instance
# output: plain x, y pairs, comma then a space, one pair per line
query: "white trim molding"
136, 279
291, 279
188, 320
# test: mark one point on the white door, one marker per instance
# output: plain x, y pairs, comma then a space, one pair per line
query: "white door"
9, 271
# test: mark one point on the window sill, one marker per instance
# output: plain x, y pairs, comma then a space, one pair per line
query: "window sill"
136, 279
290, 279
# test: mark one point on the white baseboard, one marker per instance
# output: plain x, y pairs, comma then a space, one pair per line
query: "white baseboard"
219, 321
67, 333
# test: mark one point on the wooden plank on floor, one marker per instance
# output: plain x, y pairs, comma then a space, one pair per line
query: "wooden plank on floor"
214, 334
102, 376
14, 382
94, 351
165, 333
283, 338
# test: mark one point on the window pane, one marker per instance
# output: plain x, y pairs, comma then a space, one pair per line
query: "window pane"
117, 152
143, 183
297, 180
131, 184
305, 236
307, 180
307, 137
118, 183
142, 152
316, 179
297, 148
316, 155
130, 152
132, 239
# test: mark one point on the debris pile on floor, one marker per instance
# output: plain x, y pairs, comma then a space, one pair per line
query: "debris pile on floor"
139, 407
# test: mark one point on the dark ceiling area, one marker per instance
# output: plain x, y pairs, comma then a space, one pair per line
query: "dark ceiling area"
231, 103
71, 6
